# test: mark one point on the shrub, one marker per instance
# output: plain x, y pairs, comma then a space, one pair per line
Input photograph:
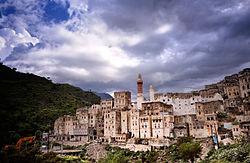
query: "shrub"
190, 151
151, 157
230, 153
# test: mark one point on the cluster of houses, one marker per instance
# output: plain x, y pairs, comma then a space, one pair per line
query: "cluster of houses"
221, 109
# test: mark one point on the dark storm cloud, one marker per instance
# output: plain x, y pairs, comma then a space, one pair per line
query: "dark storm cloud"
176, 45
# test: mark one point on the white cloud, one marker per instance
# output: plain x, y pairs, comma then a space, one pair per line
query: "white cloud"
12, 39
169, 55
2, 43
161, 77
94, 55
87, 48
163, 29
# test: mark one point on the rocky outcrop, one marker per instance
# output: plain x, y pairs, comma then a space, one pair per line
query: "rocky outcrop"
96, 151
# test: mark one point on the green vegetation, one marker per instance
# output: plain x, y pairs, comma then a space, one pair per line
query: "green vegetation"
118, 155
185, 149
33, 155
236, 153
30, 103
235, 122
190, 151
185, 152
221, 116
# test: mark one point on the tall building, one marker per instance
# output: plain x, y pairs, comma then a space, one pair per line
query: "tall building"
244, 78
122, 99
151, 93
140, 97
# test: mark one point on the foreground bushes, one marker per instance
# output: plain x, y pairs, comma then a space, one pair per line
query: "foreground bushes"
33, 155
230, 153
118, 155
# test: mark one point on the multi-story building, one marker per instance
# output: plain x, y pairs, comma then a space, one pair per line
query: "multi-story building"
134, 122
153, 119
122, 99
184, 104
244, 81
209, 91
172, 115
112, 124
73, 128
183, 124
107, 104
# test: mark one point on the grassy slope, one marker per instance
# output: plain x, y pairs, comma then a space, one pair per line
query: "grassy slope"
29, 102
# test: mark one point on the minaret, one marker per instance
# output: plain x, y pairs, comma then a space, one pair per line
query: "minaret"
139, 85
140, 97
151, 93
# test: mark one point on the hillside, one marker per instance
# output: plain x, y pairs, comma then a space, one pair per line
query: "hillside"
29, 103
104, 96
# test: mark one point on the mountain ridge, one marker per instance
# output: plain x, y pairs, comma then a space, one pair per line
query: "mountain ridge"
30, 103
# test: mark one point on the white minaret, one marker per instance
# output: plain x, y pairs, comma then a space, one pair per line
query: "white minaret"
151, 93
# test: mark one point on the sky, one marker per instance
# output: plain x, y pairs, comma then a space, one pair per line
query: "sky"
102, 45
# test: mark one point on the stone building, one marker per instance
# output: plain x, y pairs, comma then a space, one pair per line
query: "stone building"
206, 113
134, 122
184, 104
125, 122
107, 104
158, 96
244, 81
232, 90
209, 91
72, 128
122, 99
182, 124
154, 118
95, 122
172, 115
211, 107
112, 124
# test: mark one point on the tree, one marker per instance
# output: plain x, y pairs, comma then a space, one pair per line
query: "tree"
181, 140
190, 151
151, 157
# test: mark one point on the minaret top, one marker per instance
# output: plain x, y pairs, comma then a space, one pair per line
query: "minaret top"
139, 78
151, 87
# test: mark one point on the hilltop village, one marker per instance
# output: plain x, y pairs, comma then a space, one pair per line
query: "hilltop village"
220, 110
